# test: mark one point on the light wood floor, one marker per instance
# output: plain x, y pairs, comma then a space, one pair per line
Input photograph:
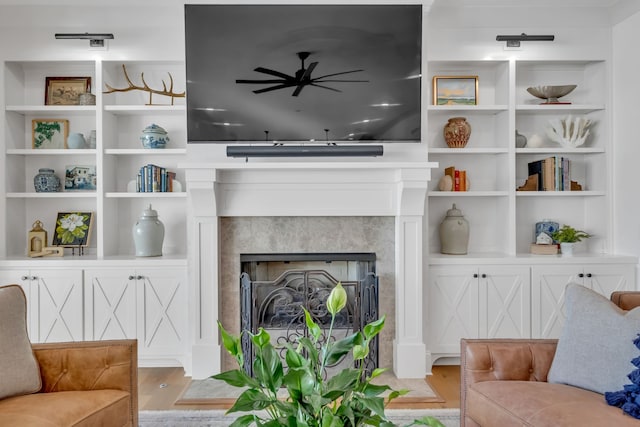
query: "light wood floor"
159, 388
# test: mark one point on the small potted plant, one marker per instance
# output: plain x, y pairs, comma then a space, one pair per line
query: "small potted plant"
567, 236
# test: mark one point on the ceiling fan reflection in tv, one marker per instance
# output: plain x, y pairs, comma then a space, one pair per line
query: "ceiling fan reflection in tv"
301, 79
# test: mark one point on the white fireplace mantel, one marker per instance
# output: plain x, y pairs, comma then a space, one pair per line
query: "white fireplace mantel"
365, 188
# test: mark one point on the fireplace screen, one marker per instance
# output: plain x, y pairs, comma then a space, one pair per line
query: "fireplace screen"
275, 288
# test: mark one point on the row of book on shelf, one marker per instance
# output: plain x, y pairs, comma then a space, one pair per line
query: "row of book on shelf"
458, 178
553, 173
153, 178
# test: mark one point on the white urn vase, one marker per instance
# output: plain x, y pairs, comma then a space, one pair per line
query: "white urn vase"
148, 234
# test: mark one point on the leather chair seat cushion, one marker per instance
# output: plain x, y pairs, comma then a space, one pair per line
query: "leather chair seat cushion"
67, 408
540, 404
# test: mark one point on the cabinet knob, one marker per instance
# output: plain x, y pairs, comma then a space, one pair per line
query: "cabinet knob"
484, 276
136, 277
132, 277
475, 276
580, 275
588, 274
24, 278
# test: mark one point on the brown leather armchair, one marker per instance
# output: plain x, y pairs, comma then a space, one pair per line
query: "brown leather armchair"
84, 384
505, 369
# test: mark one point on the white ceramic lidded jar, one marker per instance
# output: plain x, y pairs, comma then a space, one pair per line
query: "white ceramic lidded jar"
154, 136
148, 234
454, 233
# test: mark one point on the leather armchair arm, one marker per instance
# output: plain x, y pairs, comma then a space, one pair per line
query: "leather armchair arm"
88, 365
503, 360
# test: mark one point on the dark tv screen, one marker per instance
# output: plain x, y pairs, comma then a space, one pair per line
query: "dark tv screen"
300, 73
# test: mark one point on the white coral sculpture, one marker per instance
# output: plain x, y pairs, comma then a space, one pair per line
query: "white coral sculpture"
569, 131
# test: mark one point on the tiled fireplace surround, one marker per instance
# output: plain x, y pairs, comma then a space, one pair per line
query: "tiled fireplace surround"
296, 207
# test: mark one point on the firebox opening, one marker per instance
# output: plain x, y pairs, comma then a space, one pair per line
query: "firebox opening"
275, 287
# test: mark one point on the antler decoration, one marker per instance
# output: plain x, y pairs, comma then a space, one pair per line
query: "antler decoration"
146, 87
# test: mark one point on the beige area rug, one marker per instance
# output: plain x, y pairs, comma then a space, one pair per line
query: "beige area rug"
218, 418
215, 392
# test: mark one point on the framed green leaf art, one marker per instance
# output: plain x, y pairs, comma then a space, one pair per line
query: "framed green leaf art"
73, 229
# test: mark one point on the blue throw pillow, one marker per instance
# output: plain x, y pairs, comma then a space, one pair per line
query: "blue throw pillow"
629, 397
596, 344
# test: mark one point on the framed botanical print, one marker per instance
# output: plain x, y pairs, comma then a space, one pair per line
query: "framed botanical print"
73, 229
49, 133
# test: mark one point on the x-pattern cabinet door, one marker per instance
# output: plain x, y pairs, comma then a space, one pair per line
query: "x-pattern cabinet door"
548, 312
505, 308
453, 307
110, 304
57, 299
163, 311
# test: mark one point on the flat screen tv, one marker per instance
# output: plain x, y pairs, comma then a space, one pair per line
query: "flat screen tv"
301, 73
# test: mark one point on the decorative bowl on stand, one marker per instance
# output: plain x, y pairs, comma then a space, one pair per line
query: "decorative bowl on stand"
551, 93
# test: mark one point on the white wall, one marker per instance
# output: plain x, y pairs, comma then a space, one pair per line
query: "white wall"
626, 134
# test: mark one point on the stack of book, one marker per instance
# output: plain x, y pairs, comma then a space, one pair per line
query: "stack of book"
553, 173
153, 178
458, 178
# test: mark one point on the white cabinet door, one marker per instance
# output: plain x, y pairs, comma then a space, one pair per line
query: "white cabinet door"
453, 307
162, 312
110, 304
548, 290
477, 302
505, 302
57, 305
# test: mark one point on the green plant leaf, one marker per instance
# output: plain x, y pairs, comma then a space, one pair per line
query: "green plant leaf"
339, 348
314, 329
344, 380
267, 368
245, 420
312, 351
293, 358
372, 329
360, 352
396, 393
236, 378
377, 372
329, 419
427, 421
261, 339
299, 383
375, 389
374, 404
337, 299
251, 400
231, 343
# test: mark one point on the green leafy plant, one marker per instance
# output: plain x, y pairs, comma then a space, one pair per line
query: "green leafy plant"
348, 398
567, 234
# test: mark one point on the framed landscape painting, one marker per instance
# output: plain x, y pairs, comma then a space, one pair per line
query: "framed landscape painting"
49, 133
65, 90
80, 178
455, 90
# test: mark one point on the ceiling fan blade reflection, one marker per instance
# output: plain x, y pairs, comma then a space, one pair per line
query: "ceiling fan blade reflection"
325, 87
273, 81
269, 89
319, 80
298, 90
274, 73
308, 71
338, 74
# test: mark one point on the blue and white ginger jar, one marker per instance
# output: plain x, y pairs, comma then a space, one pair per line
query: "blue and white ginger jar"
153, 136
46, 181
